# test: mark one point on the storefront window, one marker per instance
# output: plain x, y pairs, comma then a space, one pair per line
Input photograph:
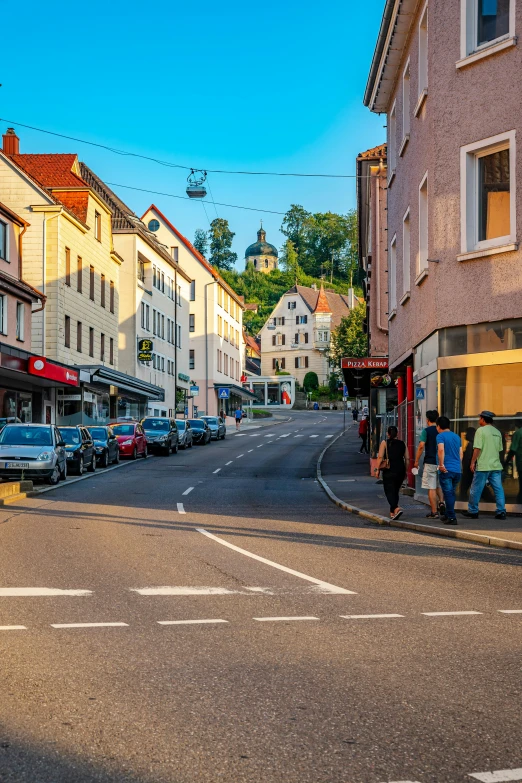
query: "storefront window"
132, 407
69, 407
479, 338
259, 391
467, 391
273, 394
15, 405
25, 407
96, 407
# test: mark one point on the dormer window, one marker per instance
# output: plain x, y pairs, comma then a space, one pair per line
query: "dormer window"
291, 305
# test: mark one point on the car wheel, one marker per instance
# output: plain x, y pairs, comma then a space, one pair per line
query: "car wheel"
224, 435
145, 453
105, 462
63, 472
117, 457
54, 478
92, 466
175, 448
135, 453
80, 466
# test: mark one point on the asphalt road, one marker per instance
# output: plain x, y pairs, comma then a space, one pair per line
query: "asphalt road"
204, 680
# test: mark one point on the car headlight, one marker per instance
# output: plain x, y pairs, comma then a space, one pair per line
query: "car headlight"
45, 456
163, 438
127, 443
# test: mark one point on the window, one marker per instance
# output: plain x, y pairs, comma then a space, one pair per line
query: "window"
300, 319
91, 283
154, 322
102, 347
162, 282
162, 327
488, 193
67, 266
111, 351
79, 336
392, 142
3, 241
67, 331
278, 321
237, 338
278, 339
154, 277
97, 226
225, 330
225, 301
322, 336
102, 298
220, 296
225, 369
79, 274
192, 360
282, 363
179, 335
220, 326
301, 362
406, 253
179, 295
492, 20
291, 305
20, 321
192, 290
174, 253
147, 318
143, 315
422, 257
485, 23
192, 324
274, 364
406, 104
91, 341
141, 270
423, 58
392, 277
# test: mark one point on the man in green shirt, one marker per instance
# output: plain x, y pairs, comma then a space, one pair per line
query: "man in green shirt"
486, 467
515, 452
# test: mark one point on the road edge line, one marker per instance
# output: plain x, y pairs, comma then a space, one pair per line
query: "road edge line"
464, 535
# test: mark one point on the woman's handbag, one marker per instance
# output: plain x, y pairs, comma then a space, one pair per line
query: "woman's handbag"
385, 463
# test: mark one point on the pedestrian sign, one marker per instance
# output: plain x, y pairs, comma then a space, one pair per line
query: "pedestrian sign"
345, 390
419, 394
224, 394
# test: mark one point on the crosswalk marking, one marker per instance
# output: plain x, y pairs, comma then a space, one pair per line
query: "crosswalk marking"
314, 436
270, 435
181, 509
217, 471
188, 491
240, 435
499, 776
298, 436
287, 435
257, 435
328, 436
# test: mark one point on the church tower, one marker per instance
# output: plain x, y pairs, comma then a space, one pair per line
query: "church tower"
261, 254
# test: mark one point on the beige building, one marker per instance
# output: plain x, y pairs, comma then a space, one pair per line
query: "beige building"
261, 254
154, 304
216, 347
297, 335
445, 74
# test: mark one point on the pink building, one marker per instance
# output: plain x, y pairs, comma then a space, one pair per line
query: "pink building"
445, 74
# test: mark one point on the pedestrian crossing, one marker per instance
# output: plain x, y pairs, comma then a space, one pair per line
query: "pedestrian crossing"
496, 776
273, 435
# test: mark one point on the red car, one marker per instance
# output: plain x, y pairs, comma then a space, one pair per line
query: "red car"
131, 439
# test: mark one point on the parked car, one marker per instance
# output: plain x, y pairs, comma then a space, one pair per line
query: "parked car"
32, 451
106, 446
162, 434
185, 434
217, 427
81, 453
131, 439
200, 431
9, 420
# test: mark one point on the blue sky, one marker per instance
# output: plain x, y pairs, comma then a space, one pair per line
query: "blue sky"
271, 87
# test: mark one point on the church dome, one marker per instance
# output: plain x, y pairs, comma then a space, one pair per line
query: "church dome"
261, 247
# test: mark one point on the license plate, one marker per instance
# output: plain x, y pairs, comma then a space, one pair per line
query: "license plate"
17, 464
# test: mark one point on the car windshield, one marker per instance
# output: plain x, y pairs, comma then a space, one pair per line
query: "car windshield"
197, 424
211, 420
98, 433
70, 436
155, 425
180, 425
18, 435
123, 429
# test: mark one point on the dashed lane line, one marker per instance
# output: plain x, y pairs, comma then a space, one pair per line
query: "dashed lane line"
287, 435
188, 491
239, 456
89, 625
448, 614
249, 450
183, 591
369, 616
314, 436
298, 436
217, 471
32, 592
282, 619
271, 435
13, 628
499, 776
181, 509
257, 435
328, 436
510, 611
229, 462
190, 622
322, 586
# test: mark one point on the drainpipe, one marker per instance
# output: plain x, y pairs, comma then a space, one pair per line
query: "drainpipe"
176, 341
206, 344
378, 256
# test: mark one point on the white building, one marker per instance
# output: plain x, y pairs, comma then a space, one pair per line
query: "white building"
216, 357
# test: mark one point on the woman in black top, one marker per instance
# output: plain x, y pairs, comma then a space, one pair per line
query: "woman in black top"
395, 451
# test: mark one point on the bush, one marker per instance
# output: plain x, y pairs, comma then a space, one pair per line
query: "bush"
260, 414
311, 381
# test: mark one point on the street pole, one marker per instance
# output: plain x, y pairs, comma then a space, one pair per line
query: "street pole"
206, 347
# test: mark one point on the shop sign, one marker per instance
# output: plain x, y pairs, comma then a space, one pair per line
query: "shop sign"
13, 362
183, 377
145, 348
38, 365
364, 363
194, 391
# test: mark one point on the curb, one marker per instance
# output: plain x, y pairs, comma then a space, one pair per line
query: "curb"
463, 535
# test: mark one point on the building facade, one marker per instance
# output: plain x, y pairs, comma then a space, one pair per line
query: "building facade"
454, 218
216, 347
261, 254
297, 336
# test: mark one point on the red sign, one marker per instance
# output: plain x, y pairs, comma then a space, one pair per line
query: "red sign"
38, 365
364, 363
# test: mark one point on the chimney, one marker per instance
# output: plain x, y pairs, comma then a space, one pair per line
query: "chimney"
11, 142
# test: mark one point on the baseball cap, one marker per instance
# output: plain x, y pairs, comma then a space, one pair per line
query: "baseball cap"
489, 414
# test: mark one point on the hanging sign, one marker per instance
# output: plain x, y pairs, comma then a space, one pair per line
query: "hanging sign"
194, 391
145, 348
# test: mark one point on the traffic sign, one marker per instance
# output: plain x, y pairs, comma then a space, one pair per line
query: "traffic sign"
224, 394
345, 390
419, 394
194, 391
186, 411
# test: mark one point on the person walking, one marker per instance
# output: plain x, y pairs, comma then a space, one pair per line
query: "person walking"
486, 466
430, 476
449, 451
393, 462
355, 416
363, 434
238, 417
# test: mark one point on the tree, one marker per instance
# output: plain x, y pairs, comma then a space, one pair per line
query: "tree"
201, 241
310, 381
294, 227
221, 255
349, 339
290, 263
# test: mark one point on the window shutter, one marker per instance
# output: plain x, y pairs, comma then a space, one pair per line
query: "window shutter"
283, 321
273, 339
296, 362
284, 339
296, 338
306, 361
274, 364
306, 337
283, 362
305, 319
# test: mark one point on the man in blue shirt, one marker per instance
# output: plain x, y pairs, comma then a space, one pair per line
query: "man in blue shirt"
238, 417
449, 449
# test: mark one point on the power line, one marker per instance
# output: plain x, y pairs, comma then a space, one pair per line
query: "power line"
176, 165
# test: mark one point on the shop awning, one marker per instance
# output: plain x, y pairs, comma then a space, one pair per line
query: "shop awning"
237, 391
102, 374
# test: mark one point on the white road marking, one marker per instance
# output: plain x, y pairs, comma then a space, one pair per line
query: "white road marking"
323, 587
239, 456
261, 444
240, 435
257, 435
510, 611
189, 622
229, 462
447, 614
328, 436
270, 435
264, 590
499, 776
183, 591
344, 480
281, 619
181, 510
368, 616
89, 625
249, 450
188, 491
285, 436
217, 471
314, 436
404, 781
13, 628
14, 592
298, 436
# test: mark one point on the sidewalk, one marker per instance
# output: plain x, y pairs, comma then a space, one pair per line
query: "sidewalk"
343, 473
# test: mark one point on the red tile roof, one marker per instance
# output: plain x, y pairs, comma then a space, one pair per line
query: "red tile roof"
375, 153
76, 201
322, 305
252, 343
52, 171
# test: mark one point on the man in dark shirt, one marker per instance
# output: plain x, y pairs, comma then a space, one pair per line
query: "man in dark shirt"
430, 478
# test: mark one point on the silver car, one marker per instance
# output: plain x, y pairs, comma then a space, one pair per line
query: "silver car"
32, 451
217, 427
